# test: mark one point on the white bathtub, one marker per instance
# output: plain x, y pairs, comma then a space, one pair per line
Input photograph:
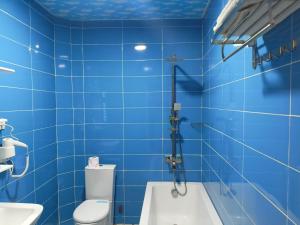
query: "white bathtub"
161, 208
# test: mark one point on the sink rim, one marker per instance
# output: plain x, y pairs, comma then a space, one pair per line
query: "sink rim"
37, 210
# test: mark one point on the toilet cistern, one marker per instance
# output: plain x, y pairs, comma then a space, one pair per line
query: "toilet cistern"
98, 207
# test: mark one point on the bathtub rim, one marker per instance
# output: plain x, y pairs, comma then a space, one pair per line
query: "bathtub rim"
145, 214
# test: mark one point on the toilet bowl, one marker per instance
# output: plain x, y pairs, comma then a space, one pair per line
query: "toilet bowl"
97, 209
92, 212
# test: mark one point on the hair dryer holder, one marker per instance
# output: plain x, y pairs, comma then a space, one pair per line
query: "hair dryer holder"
6, 153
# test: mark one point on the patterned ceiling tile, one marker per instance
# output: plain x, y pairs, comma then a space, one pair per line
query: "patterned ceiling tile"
90, 10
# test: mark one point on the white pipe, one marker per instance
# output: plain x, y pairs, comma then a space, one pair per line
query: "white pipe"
7, 70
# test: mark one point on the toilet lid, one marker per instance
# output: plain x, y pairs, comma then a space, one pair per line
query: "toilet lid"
91, 211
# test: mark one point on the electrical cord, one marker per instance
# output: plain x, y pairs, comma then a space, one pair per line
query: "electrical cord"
26, 156
25, 169
11, 131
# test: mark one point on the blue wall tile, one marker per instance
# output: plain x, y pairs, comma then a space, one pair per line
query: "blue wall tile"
14, 53
269, 92
98, 147
268, 176
102, 68
182, 34
63, 50
42, 24
20, 33
103, 116
62, 34
76, 35
268, 134
184, 50
295, 144
83, 90
143, 68
103, 100
141, 177
42, 62
295, 89
103, 131
250, 126
143, 162
102, 36
143, 35
151, 115
124, 101
142, 84
293, 195
41, 43
102, 52
103, 84
20, 10
142, 131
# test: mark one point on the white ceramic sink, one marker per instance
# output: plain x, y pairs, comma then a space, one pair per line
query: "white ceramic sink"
19, 213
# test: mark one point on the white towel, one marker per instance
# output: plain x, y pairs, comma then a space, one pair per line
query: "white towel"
236, 10
226, 12
260, 16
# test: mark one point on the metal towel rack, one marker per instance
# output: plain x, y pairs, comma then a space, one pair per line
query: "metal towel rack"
7, 70
232, 39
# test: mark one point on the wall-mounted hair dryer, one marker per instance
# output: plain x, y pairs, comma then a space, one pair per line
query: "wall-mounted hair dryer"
8, 151
9, 142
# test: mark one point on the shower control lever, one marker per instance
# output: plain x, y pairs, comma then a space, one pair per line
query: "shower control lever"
173, 161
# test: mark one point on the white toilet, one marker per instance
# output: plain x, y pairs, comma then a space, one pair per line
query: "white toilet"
98, 207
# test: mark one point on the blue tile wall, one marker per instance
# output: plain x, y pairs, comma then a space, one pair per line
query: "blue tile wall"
251, 123
28, 102
123, 98
65, 129
80, 89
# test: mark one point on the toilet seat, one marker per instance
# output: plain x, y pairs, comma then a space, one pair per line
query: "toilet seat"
91, 211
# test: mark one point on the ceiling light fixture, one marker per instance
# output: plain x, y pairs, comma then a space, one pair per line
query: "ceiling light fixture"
140, 47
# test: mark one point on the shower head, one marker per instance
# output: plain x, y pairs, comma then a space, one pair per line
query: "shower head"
173, 59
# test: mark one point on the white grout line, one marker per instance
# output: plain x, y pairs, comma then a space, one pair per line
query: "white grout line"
46, 219
91, 27
118, 92
253, 149
134, 43
32, 108
252, 112
56, 134
162, 101
83, 88
202, 84
248, 76
73, 115
232, 195
27, 25
290, 122
123, 127
28, 174
251, 184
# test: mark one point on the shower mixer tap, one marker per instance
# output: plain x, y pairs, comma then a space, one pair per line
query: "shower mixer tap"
173, 161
